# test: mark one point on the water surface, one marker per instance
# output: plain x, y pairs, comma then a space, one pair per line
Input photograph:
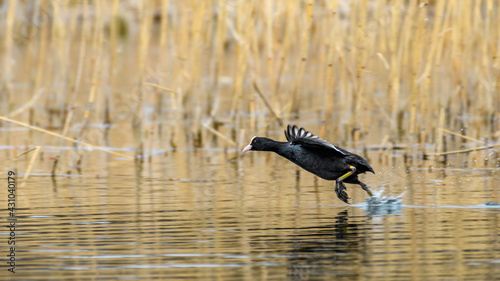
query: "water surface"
204, 215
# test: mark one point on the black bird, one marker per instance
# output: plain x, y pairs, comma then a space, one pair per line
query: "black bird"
317, 156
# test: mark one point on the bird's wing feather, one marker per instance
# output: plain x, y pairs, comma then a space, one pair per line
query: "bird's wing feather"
306, 139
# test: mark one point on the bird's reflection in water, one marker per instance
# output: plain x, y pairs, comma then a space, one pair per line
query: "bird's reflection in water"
327, 250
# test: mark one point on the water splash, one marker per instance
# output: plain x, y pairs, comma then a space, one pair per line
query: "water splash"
379, 204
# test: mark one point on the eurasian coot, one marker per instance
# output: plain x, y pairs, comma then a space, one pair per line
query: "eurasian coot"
317, 156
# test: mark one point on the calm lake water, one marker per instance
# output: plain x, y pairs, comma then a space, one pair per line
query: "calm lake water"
205, 215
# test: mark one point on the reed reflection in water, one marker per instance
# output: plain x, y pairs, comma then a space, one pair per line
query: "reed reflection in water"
247, 220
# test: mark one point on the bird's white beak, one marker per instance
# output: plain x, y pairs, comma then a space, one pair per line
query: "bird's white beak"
247, 148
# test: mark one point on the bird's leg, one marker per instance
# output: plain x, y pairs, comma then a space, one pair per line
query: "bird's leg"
365, 187
352, 171
340, 186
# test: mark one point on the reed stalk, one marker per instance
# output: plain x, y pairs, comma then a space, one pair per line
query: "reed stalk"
34, 128
6, 81
30, 166
370, 71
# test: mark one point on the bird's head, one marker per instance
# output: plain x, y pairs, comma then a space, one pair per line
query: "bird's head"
258, 144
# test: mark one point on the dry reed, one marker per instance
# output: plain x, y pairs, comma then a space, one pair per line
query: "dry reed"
363, 72
30, 165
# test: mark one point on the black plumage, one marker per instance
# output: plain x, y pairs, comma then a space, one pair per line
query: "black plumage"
317, 156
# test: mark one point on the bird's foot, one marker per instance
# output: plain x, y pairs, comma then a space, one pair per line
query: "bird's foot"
365, 187
340, 190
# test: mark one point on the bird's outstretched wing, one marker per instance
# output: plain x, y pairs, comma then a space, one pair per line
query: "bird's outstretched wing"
306, 139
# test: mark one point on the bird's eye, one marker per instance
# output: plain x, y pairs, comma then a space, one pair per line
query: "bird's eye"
254, 141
